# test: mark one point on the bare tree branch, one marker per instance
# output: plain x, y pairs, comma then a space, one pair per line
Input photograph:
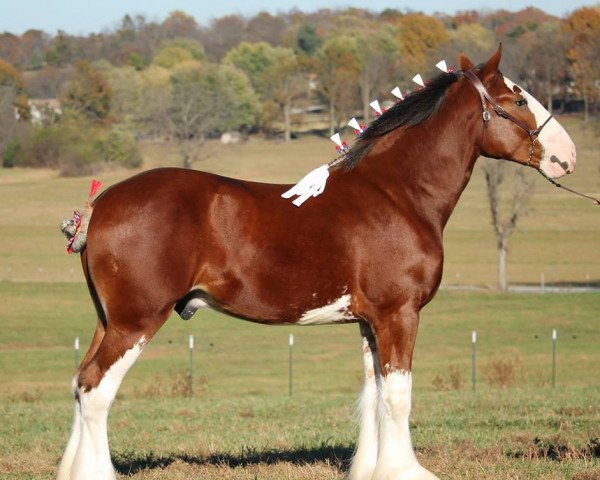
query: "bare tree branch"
505, 213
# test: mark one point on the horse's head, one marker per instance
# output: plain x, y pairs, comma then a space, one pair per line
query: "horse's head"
516, 126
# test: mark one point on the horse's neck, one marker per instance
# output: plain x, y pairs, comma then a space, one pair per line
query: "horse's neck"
427, 166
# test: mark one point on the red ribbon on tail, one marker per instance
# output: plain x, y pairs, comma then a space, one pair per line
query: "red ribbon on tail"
94, 186
76, 220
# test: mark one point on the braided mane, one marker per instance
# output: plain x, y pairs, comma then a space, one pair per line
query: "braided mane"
416, 108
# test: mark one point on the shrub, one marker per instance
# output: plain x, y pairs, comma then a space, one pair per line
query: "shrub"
76, 148
10, 152
454, 380
119, 147
39, 148
501, 373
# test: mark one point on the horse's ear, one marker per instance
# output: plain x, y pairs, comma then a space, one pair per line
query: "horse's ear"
464, 62
491, 67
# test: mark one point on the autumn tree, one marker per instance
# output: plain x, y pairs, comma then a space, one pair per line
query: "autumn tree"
506, 207
48, 82
546, 60
253, 59
178, 51
9, 47
12, 80
265, 27
276, 75
287, 84
32, 46
130, 105
337, 67
583, 26
88, 93
472, 39
377, 51
224, 34
10, 128
419, 36
207, 99
60, 51
179, 25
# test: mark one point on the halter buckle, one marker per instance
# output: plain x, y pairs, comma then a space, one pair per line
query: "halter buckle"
486, 116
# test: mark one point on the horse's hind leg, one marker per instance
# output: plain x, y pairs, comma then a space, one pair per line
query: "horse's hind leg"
64, 469
97, 386
365, 457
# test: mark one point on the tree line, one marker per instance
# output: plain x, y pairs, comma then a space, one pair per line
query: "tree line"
185, 82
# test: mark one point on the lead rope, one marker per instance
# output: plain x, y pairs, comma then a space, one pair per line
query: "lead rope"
556, 184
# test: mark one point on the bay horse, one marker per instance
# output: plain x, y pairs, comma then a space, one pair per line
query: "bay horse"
367, 250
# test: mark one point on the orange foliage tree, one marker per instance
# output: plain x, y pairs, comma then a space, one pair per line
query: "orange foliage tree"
11, 79
583, 25
88, 93
419, 35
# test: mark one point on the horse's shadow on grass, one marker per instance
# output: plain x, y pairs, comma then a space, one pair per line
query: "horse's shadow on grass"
337, 456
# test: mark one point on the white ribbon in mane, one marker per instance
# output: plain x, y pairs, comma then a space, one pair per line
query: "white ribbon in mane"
312, 185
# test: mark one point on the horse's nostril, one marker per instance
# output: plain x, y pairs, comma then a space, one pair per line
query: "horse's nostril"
563, 165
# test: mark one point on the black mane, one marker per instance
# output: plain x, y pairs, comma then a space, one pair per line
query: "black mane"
416, 108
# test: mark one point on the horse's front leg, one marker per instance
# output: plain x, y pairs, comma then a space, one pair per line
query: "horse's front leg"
396, 334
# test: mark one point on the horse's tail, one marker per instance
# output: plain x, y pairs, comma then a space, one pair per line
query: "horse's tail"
76, 229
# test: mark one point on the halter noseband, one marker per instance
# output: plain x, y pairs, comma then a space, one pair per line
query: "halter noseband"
484, 95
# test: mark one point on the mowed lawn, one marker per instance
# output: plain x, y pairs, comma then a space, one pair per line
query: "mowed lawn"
240, 423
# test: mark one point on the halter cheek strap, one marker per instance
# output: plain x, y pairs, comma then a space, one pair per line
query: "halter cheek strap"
485, 96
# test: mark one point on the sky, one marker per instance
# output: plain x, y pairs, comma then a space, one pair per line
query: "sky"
87, 16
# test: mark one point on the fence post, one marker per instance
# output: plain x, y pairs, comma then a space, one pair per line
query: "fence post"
76, 352
543, 283
191, 382
474, 371
554, 338
290, 363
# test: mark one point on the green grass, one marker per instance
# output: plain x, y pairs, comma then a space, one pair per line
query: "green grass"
240, 424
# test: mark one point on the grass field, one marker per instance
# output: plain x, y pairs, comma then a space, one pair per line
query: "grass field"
240, 423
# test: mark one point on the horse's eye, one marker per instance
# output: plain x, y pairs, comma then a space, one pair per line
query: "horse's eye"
521, 102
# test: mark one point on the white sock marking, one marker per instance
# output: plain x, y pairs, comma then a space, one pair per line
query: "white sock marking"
92, 456
64, 469
396, 455
365, 457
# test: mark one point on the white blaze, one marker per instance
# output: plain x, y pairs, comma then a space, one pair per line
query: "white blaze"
559, 150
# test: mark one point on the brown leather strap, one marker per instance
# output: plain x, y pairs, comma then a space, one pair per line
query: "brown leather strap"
484, 95
481, 91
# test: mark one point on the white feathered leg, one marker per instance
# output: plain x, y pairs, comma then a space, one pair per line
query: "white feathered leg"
365, 457
397, 460
91, 460
64, 469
